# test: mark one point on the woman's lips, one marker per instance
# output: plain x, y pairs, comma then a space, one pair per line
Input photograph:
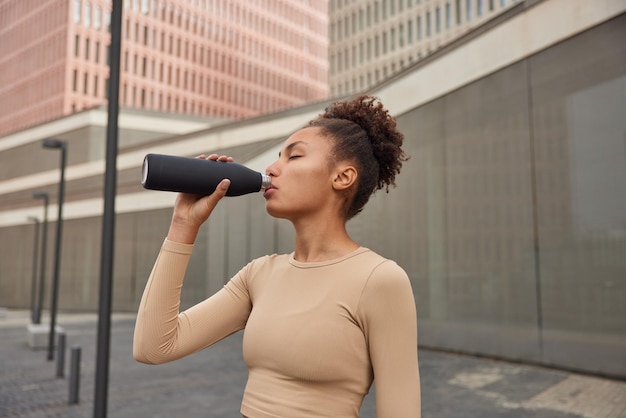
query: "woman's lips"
269, 191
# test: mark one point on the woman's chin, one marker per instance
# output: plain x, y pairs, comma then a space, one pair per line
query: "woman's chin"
274, 212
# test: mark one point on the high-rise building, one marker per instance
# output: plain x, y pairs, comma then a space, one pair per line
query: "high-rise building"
218, 58
372, 39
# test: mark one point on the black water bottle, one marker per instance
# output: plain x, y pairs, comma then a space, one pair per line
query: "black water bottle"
197, 176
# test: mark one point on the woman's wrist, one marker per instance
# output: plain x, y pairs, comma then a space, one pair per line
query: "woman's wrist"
182, 232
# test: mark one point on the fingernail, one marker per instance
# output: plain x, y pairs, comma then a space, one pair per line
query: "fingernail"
224, 184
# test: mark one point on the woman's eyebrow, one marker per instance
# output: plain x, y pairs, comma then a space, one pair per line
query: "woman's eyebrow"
291, 146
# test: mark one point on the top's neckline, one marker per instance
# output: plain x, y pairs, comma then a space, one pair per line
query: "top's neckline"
313, 264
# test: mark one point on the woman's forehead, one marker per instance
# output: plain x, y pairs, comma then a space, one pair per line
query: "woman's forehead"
310, 136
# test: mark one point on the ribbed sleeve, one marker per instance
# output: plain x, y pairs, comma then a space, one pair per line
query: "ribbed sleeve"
388, 312
162, 334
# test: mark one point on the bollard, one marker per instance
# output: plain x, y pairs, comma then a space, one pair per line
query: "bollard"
61, 355
74, 375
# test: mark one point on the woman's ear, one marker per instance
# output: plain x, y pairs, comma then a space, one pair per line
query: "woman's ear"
345, 177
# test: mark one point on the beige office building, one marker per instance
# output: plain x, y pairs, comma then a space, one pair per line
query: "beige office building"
372, 39
217, 58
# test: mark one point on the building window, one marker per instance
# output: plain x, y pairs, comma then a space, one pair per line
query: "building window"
458, 12
87, 15
76, 45
479, 8
97, 18
427, 24
469, 10
438, 19
76, 11
419, 28
75, 80
97, 53
376, 12
87, 49
384, 43
410, 31
448, 16
85, 82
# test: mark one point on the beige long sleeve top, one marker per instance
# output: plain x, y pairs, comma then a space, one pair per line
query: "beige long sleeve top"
316, 334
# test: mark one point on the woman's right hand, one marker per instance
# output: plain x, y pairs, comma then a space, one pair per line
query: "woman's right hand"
191, 211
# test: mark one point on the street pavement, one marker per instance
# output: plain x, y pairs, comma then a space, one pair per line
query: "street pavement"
210, 383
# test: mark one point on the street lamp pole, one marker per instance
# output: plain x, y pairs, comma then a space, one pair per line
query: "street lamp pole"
108, 219
52, 143
33, 286
44, 246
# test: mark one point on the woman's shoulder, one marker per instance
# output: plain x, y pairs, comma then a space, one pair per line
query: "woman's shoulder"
385, 270
265, 261
381, 263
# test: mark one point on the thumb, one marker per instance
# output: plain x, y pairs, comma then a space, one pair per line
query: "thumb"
220, 190
212, 200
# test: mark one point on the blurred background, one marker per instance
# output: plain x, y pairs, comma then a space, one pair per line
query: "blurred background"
510, 216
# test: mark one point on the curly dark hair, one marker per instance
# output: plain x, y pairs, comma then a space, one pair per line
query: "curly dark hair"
364, 132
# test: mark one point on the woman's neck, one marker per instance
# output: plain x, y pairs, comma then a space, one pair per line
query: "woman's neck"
322, 241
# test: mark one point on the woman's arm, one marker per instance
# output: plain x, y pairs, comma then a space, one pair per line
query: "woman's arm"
390, 322
161, 333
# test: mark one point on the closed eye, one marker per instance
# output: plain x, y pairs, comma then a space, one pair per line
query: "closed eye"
291, 157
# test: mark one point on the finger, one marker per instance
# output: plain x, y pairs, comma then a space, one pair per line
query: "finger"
218, 194
213, 157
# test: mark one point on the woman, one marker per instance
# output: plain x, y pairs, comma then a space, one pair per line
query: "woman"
322, 322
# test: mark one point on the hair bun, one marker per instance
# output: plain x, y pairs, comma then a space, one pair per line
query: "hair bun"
380, 128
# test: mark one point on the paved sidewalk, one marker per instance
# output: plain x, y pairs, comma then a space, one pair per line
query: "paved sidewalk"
210, 383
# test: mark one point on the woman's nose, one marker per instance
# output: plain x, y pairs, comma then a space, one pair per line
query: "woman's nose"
272, 170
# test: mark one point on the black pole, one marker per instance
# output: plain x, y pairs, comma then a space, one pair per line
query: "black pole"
33, 285
44, 246
62, 145
108, 219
